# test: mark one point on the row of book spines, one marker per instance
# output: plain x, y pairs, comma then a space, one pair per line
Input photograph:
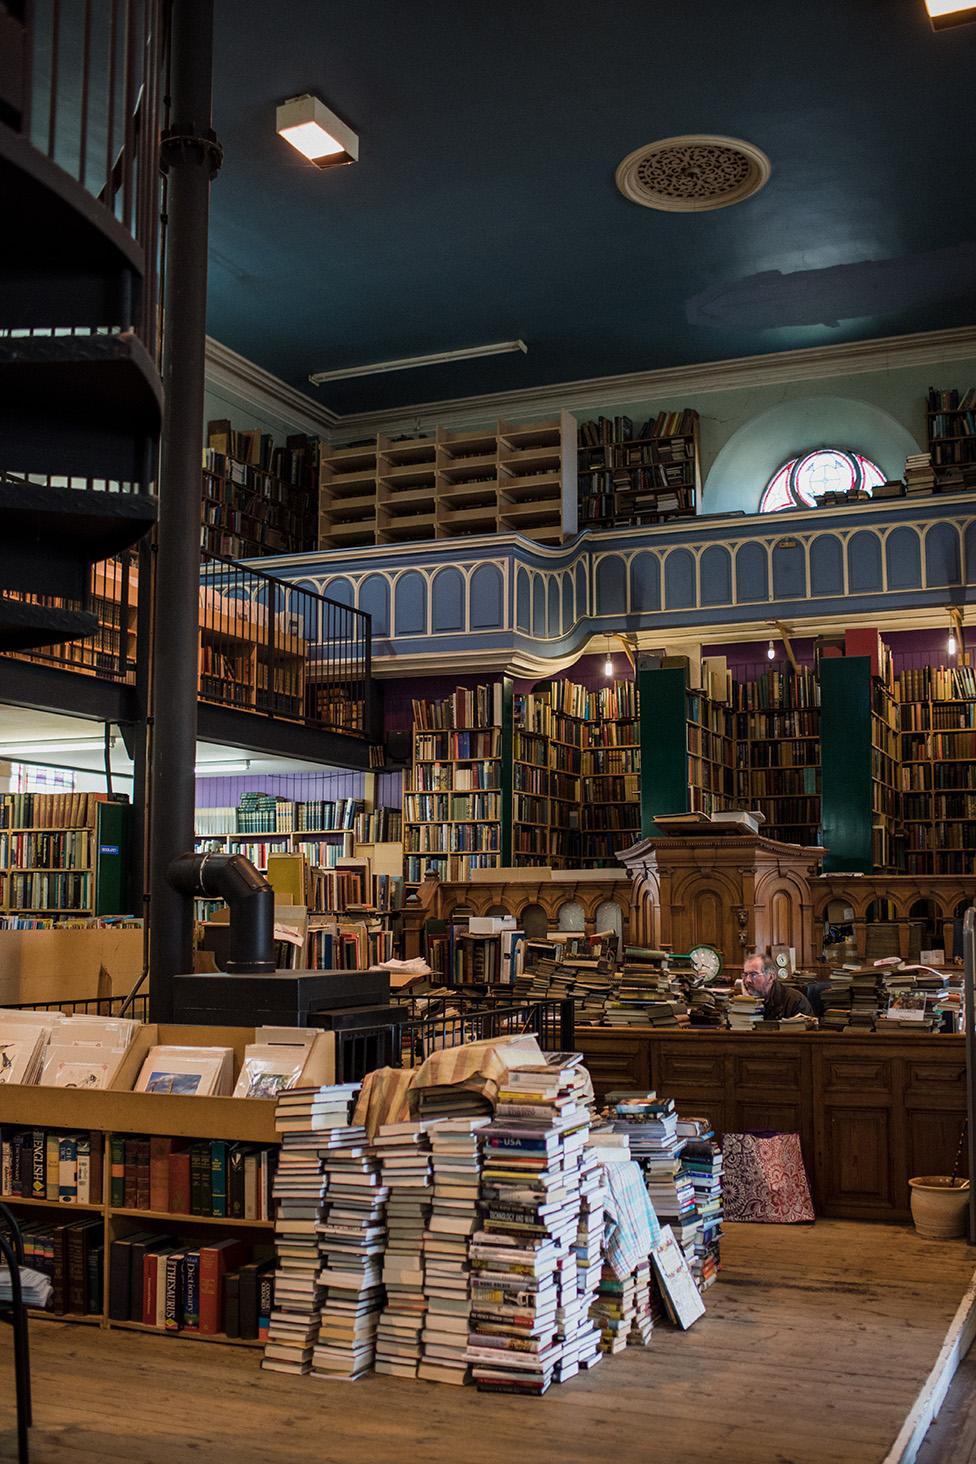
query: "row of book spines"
602, 430
159, 1283
936, 683
44, 1164
478, 706
211, 1177
68, 849
254, 448
317, 815
71, 1253
946, 399
50, 810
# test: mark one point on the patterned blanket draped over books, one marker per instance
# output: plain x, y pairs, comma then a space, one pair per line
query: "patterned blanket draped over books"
765, 1179
632, 1226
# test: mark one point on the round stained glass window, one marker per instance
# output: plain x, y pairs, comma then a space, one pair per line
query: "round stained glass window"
803, 480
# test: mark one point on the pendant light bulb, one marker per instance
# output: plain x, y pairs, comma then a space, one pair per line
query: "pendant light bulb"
608, 665
771, 651
951, 645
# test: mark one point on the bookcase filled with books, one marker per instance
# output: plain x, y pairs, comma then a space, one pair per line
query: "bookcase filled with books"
951, 419
558, 713
777, 752
531, 801
499, 478
610, 773
452, 804
63, 855
257, 498
687, 745
642, 476
859, 761
148, 1211
937, 768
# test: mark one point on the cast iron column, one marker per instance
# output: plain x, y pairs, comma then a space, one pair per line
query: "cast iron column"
190, 156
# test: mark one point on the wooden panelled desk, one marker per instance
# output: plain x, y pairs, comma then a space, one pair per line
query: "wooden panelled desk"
871, 1111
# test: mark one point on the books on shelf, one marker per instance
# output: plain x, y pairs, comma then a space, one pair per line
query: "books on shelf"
46, 1164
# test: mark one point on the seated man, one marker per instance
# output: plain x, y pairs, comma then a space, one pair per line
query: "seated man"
761, 978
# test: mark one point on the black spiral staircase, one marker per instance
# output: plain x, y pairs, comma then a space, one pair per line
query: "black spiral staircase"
80, 394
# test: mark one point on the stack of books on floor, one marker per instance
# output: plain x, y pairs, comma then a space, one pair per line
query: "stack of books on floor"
623, 1309
309, 1121
701, 1160
589, 1256
404, 1154
352, 1239
456, 1165
651, 1125
529, 1326
745, 1012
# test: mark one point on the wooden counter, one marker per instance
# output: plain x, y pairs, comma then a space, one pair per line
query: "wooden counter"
871, 1111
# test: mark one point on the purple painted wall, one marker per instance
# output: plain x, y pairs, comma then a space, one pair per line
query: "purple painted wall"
226, 792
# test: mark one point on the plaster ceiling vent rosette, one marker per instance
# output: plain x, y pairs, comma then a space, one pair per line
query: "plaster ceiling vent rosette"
693, 174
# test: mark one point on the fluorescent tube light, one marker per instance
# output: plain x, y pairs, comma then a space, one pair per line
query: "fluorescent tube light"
407, 363
56, 745
946, 13
316, 132
221, 769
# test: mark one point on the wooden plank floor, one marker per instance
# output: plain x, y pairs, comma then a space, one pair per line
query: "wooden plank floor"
815, 1343
952, 1437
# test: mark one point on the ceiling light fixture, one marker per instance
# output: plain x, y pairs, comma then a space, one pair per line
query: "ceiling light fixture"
608, 663
955, 641
55, 745
946, 13
771, 651
221, 769
316, 132
407, 363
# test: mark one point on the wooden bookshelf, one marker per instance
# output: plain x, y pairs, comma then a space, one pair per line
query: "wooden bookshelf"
61, 867
951, 422
453, 800
245, 661
104, 1114
643, 476
777, 753
610, 774
937, 771
859, 756
257, 499
506, 477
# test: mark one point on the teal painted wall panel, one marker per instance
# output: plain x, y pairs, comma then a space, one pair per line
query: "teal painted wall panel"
663, 743
845, 721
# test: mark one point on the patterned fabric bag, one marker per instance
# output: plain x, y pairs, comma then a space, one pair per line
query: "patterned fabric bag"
764, 1179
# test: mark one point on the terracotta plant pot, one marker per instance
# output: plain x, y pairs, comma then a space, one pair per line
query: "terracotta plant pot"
939, 1206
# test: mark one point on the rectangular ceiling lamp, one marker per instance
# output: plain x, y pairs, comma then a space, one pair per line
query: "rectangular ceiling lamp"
408, 363
946, 13
316, 132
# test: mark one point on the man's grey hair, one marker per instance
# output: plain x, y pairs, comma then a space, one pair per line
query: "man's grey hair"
770, 967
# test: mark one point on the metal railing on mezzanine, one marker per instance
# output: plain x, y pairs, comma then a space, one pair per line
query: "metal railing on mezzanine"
266, 647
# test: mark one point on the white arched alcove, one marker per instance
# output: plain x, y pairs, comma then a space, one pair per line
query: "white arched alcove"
745, 464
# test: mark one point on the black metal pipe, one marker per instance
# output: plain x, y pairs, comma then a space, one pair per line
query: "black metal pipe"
190, 156
250, 898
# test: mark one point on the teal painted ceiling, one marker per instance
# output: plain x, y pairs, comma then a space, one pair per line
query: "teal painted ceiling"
483, 207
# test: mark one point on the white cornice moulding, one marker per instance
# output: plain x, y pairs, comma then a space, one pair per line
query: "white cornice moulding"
252, 384
265, 392
746, 372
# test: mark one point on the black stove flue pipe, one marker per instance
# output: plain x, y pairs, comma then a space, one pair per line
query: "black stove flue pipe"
249, 897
